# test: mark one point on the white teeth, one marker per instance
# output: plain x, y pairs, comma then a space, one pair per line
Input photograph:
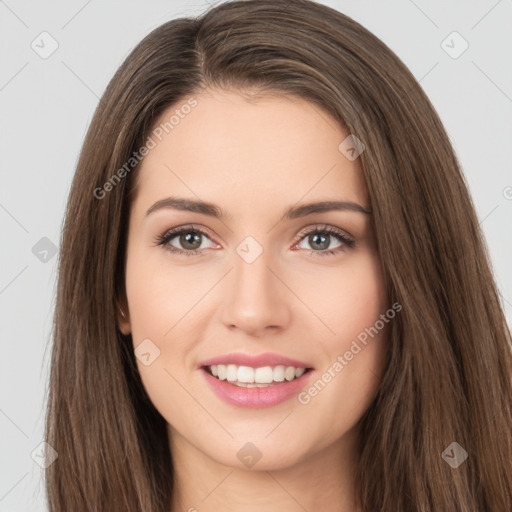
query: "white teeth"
246, 376
299, 372
279, 373
289, 373
221, 369
232, 372
264, 375
250, 385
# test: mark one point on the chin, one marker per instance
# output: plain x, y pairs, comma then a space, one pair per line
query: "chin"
253, 454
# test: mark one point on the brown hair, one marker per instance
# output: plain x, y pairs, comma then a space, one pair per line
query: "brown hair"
449, 367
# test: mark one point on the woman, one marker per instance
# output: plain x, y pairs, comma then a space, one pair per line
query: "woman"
273, 289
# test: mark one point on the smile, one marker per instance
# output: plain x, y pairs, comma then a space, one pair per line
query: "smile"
248, 377
248, 387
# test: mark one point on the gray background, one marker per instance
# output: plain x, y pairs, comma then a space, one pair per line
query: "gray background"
46, 105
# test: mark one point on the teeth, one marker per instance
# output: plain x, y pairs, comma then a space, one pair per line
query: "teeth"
264, 375
251, 385
246, 376
279, 373
232, 373
289, 373
221, 369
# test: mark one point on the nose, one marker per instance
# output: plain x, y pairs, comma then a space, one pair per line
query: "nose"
256, 299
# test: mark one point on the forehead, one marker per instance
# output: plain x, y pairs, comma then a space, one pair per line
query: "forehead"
233, 148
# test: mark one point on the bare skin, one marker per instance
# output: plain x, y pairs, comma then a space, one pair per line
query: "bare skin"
256, 159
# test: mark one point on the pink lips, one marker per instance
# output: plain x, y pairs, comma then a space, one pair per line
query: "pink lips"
255, 397
266, 359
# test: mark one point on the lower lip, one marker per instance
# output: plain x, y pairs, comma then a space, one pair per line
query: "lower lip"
255, 397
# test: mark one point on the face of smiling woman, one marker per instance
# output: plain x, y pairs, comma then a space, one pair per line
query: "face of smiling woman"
254, 282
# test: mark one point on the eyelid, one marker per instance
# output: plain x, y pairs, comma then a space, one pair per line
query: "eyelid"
304, 231
323, 228
344, 237
172, 233
190, 227
346, 240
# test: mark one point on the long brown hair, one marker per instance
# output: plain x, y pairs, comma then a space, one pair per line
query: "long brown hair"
448, 374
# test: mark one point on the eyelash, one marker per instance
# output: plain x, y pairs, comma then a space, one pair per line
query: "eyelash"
163, 240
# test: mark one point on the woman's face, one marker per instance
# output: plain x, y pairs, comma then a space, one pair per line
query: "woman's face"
254, 289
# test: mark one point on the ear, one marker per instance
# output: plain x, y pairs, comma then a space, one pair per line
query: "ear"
123, 317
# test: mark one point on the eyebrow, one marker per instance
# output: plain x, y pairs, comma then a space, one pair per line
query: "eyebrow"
294, 212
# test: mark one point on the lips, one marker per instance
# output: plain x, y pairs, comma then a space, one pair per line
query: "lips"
256, 361
255, 381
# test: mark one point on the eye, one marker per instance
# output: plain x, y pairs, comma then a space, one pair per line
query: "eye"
320, 239
189, 237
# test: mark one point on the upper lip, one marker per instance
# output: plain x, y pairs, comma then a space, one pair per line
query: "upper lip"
255, 361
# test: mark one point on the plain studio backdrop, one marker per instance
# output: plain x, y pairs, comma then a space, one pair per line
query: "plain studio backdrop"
56, 60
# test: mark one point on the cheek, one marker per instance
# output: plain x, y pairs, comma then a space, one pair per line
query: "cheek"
360, 300
361, 332
157, 314
355, 345
159, 295
346, 299
166, 320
